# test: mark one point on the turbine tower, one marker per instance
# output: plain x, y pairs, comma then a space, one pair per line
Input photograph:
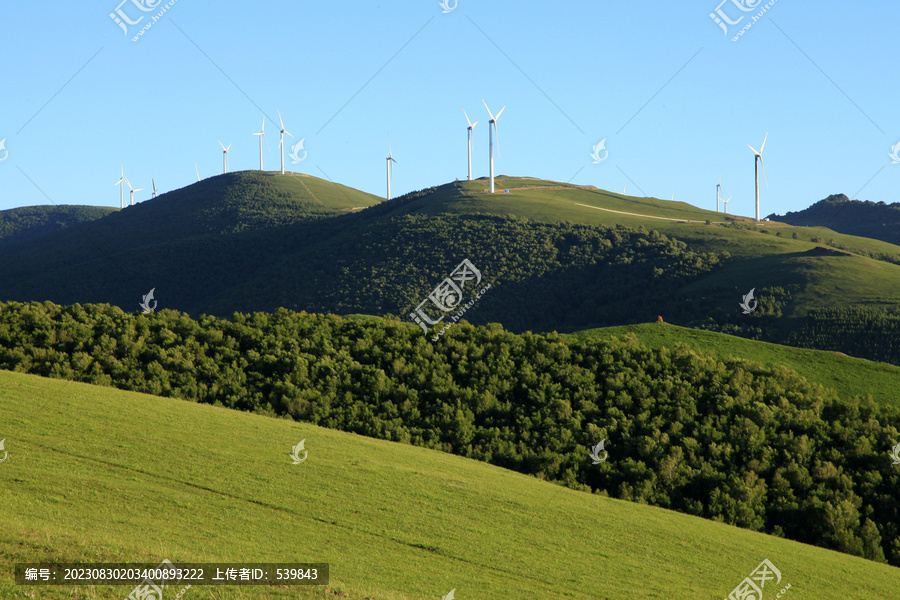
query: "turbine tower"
262, 136
225, 157
283, 131
154, 189
757, 159
492, 129
390, 159
471, 130
121, 184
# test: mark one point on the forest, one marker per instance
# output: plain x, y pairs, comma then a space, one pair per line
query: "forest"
720, 438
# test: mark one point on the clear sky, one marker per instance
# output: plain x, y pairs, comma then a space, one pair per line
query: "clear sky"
676, 99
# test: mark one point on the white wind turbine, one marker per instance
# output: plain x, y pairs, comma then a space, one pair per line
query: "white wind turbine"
225, 157
492, 129
471, 130
757, 159
121, 184
283, 131
262, 136
390, 159
132, 190
154, 189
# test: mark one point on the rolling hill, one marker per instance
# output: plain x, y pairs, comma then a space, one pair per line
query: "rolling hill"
560, 257
97, 474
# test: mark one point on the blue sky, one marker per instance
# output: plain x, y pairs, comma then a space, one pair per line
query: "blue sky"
675, 98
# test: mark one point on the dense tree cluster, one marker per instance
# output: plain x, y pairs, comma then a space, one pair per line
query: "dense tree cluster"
723, 439
865, 332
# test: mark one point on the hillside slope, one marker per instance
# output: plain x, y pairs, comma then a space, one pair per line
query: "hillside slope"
19, 225
847, 375
96, 474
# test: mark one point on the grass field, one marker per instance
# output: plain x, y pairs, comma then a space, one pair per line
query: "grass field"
849, 376
100, 474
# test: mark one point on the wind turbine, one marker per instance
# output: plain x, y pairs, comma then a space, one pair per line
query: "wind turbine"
390, 159
471, 130
262, 137
725, 203
154, 189
225, 157
121, 184
132, 193
492, 128
283, 131
718, 195
757, 159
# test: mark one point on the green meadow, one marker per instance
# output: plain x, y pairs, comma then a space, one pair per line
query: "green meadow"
99, 474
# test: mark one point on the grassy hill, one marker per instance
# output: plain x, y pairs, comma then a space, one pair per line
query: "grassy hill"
560, 257
28, 222
875, 220
97, 474
848, 376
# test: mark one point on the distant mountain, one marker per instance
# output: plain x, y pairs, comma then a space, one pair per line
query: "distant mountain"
875, 220
29, 222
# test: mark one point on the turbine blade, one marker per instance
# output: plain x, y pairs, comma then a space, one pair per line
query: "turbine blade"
223, 145
488, 109
264, 125
280, 119
288, 133
763, 147
764, 170
499, 113
467, 118
754, 149
228, 148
